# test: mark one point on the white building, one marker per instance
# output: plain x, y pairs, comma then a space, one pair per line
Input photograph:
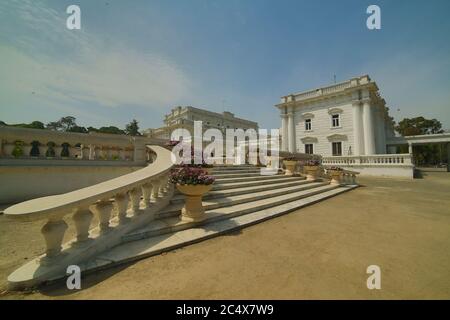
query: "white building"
184, 117
346, 119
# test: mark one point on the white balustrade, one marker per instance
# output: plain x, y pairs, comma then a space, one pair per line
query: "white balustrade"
377, 160
108, 201
24, 144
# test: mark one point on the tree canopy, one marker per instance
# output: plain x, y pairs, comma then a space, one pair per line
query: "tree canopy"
132, 128
418, 126
68, 124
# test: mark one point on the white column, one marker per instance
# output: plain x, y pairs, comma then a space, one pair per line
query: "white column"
383, 132
410, 148
357, 129
284, 132
377, 123
291, 129
369, 137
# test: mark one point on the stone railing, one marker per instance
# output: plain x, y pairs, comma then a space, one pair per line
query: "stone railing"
378, 159
338, 87
120, 205
36, 144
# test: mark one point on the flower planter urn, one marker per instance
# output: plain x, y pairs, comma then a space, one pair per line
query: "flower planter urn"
336, 177
193, 210
290, 167
311, 172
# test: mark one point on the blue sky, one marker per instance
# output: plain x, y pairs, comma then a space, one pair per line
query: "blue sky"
138, 59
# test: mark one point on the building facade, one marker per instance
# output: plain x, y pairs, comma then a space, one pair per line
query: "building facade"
346, 119
184, 117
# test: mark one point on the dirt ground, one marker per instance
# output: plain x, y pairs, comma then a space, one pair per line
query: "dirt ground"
319, 252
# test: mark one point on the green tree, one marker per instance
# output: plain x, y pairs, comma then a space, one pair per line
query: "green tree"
418, 125
63, 124
111, 130
132, 128
36, 125
426, 153
77, 128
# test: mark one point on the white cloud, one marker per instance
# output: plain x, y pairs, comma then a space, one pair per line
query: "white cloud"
71, 66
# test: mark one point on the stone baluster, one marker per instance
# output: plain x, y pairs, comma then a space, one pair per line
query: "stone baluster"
146, 195
162, 185
53, 232
165, 184
82, 219
120, 205
155, 191
353, 178
135, 198
103, 211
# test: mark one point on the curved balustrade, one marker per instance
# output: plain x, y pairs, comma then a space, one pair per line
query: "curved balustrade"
121, 205
26, 143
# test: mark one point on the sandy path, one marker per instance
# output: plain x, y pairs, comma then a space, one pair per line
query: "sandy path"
321, 252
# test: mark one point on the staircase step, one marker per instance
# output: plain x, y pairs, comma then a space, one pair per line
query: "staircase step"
228, 171
237, 175
232, 166
244, 190
169, 224
226, 180
135, 250
219, 185
232, 200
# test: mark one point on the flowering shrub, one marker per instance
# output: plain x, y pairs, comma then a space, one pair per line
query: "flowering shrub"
172, 143
334, 168
190, 175
290, 158
312, 163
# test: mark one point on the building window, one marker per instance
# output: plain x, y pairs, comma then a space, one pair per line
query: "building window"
335, 121
336, 148
308, 125
309, 148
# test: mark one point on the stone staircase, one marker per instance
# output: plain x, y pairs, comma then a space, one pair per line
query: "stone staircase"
240, 197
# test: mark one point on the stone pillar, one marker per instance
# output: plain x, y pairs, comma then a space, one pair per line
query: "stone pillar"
291, 131
284, 133
91, 152
81, 151
410, 148
369, 137
448, 157
357, 129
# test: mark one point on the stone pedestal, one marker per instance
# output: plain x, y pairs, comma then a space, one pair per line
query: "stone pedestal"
290, 167
193, 209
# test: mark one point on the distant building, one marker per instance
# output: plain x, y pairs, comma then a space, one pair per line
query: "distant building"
184, 117
344, 119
